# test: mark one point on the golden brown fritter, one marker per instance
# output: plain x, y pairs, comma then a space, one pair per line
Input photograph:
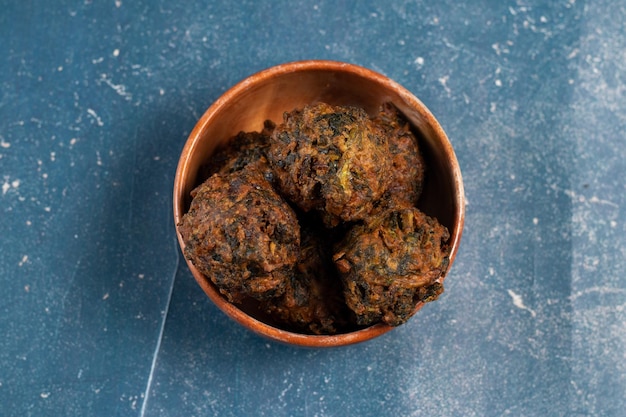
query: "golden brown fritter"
332, 159
407, 171
373, 256
242, 235
244, 149
313, 300
390, 263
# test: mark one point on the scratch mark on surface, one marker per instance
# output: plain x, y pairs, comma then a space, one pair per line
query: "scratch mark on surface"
519, 303
157, 348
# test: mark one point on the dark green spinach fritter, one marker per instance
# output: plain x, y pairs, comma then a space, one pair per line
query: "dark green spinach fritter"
392, 262
242, 235
332, 159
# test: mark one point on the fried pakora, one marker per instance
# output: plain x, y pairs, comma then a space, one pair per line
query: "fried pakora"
242, 235
407, 170
352, 251
313, 299
390, 263
332, 159
243, 149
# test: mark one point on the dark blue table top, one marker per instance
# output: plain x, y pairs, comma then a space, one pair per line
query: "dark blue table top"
99, 314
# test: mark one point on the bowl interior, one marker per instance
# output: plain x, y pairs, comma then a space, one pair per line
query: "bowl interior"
270, 93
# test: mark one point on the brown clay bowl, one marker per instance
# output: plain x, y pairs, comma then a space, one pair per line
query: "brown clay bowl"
270, 93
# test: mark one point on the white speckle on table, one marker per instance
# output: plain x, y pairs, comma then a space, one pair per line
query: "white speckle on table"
444, 82
98, 158
5, 145
118, 88
594, 199
498, 82
97, 60
116, 52
419, 61
519, 303
105, 296
36, 121
535, 221
97, 118
573, 54
44, 395
6, 186
60, 68
53, 156
118, 3
24, 260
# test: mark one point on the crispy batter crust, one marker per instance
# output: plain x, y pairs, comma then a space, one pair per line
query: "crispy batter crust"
407, 163
391, 263
355, 251
332, 159
242, 235
313, 301
244, 149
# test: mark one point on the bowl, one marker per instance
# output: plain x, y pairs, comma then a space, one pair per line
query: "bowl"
270, 93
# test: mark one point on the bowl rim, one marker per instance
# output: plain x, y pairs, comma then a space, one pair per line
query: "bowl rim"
194, 138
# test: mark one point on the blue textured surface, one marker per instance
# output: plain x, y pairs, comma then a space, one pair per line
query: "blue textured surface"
99, 314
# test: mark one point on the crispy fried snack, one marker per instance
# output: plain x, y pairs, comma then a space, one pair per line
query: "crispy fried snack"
362, 177
242, 235
391, 263
407, 170
244, 149
313, 299
332, 159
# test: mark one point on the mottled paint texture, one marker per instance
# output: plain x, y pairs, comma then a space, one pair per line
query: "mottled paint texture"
99, 316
